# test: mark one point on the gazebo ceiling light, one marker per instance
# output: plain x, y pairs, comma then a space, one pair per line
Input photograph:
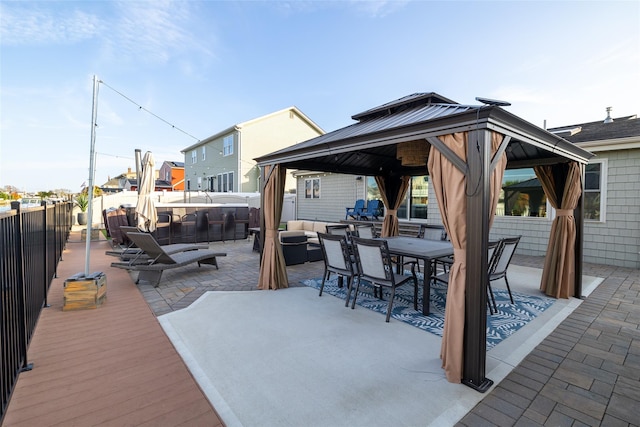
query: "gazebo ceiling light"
413, 153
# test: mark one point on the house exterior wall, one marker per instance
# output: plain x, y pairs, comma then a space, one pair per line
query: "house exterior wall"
252, 139
177, 179
615, 241
267, 134
197, 174
337, 192
172, 174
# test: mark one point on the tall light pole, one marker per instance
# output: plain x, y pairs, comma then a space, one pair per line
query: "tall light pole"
92, 162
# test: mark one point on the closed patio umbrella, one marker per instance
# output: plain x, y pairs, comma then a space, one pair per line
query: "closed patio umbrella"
145, 208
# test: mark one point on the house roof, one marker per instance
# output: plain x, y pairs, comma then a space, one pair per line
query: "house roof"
622, 127
239, 126
160, 183
368, 147
174, 164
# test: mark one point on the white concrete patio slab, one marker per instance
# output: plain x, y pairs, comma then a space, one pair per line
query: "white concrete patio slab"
291, 358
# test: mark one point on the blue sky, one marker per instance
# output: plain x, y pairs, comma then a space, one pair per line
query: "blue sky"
206, 65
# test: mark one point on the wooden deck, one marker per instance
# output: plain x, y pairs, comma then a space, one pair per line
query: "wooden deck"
110, 366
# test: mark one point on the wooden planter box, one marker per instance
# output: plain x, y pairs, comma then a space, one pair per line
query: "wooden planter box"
84, 292
95, 234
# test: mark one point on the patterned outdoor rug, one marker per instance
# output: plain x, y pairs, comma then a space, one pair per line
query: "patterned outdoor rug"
508, 319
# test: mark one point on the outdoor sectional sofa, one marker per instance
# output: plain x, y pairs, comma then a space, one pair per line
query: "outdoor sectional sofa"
309, 229
300, 241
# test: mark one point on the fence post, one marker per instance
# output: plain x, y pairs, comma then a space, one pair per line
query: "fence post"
26, 366
46, 257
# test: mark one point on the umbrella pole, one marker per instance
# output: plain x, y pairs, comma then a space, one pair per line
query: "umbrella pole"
138, 168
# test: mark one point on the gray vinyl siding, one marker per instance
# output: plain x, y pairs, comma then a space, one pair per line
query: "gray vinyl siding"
616, 241
337, 192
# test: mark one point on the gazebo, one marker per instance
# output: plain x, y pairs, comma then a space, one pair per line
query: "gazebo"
465, 150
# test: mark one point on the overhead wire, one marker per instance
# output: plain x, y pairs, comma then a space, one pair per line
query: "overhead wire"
140, 107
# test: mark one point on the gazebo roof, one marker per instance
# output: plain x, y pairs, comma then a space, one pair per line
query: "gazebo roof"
368, 147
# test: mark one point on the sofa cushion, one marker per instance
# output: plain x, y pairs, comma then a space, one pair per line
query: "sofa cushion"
319, 227
295, 225
308, 225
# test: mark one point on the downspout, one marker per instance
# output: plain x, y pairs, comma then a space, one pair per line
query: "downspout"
239, 160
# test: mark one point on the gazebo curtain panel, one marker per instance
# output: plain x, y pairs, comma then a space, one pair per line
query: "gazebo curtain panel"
450, 186
273, 272
558, 276
393, 190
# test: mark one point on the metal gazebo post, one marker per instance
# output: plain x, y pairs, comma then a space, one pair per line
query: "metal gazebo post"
478, 199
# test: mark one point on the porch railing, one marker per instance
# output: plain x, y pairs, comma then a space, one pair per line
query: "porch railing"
31, 245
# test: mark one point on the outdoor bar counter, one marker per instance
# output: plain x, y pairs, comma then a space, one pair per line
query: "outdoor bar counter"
201, 222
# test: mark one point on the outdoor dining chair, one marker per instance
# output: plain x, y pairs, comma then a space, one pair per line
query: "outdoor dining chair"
493, 249
375, 265
366, 231
431, 232
501, 264
337, 260
338, 229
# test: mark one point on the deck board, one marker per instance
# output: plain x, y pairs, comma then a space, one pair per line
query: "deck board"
110, 366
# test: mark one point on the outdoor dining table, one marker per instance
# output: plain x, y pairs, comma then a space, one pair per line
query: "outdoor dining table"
423, 249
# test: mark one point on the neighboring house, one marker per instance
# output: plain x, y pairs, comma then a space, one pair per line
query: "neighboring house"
173, 172
119, 182
161, 185
170, 177
611, 201
224, 161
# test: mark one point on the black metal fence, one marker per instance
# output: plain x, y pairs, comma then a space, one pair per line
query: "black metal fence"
31, 244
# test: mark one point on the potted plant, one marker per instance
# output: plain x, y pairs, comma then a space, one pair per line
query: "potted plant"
82, 201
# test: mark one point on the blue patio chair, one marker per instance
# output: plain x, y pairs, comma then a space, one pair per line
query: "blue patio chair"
356, 210
374, 210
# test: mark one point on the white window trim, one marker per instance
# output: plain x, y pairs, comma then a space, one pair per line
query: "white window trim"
604, 167
223, 181
194, 157
227, 145
204, 153
311, 181
603, 194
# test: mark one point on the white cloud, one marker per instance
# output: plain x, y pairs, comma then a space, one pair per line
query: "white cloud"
152, 31
379, 9
24, 23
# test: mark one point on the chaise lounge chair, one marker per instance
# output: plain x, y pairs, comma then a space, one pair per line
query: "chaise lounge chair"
131, 252
151, 268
